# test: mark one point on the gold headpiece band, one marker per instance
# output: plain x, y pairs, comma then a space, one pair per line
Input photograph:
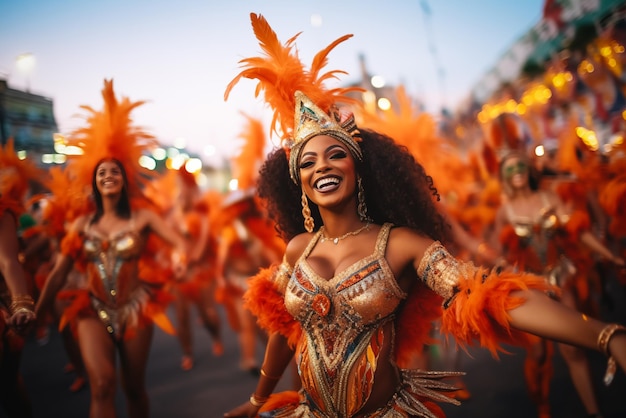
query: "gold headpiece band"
311, 121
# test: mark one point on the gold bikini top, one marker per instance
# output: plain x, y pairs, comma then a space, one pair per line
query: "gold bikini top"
547, 222
123, 245
358, 296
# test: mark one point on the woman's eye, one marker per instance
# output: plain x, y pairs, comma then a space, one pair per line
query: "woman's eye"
338, 155
306, 164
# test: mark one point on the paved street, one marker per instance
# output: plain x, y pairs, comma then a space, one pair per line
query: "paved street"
216, 384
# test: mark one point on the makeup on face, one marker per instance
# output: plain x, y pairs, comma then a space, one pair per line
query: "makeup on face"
518, 168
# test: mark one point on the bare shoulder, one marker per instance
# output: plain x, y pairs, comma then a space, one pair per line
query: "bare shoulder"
79, 223
406, 245
296, 246
145, 216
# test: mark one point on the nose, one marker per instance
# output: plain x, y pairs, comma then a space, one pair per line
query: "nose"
322, 166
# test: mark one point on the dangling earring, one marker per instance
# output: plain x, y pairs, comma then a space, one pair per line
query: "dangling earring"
361, 208
309, 223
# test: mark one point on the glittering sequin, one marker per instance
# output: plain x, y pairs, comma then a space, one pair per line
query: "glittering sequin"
343, 319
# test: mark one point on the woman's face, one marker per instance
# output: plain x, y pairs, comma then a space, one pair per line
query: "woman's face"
109, 178
515, 172
327, 171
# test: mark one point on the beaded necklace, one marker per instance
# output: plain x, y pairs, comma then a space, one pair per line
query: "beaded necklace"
346, 235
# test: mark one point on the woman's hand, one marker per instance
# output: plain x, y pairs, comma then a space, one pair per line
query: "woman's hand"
244, 410
22, 320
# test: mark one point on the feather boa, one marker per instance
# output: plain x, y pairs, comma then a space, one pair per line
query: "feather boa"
480, 309
266, 302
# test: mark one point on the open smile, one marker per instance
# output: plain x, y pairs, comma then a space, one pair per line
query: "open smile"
326, 184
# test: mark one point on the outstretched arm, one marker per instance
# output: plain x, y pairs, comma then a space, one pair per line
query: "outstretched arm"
545, 317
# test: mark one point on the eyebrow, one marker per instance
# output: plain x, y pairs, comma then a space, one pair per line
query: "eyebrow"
325, 151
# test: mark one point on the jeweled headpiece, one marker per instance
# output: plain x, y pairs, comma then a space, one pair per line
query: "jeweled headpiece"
298, 96
311, 121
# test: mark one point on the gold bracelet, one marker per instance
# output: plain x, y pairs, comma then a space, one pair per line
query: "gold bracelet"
258, 402
268, 376
605, 336
603, 345
22, 298
23, 310
21, 303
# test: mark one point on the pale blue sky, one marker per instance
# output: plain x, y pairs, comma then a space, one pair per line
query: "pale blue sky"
180, 55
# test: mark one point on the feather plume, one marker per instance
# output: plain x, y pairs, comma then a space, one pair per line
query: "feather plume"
247, 163
280, 73
110, 133
15, 175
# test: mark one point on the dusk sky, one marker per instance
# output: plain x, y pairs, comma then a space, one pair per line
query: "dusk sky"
180, 55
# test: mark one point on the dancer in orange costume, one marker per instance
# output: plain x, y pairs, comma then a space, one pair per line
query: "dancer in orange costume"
114, 314
190, 216
540, 235
612, 198
60, 206
365, 274
17, 313
247, 242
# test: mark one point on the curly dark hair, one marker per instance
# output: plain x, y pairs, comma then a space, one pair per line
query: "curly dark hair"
397, 190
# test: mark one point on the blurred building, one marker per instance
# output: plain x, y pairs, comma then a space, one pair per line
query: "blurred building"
28, 119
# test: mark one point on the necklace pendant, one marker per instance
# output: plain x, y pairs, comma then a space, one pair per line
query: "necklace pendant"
335, 241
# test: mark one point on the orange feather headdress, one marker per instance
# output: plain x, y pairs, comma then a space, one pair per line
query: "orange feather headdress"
15, 175
303, 107
247, 163
65, 202
110, 134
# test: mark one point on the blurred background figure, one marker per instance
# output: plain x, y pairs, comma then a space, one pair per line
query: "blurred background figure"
246, 242
539, 234
189, 215
17, 314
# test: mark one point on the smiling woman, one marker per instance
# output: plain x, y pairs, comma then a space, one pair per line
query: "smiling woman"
353, 310
116, 310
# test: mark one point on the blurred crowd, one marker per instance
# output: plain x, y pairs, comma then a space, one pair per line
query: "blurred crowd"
564, 122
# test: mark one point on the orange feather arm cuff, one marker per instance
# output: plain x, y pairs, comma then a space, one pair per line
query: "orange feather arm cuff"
265, 299
480, 309
477, 300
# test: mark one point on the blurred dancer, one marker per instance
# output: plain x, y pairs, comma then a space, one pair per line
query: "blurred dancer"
65, 202
539, 234
247, 242
114, 315
190, 217
17, 313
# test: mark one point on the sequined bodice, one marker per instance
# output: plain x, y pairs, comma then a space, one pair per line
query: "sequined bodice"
343, 320
112, 275
546, 224
540, 236
124, 245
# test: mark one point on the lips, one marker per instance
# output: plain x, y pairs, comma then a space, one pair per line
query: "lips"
327, 183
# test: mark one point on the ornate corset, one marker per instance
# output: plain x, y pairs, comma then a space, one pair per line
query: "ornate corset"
111, 272
540, 245
342, 319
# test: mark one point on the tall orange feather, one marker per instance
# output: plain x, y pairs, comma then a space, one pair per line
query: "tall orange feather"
280, 73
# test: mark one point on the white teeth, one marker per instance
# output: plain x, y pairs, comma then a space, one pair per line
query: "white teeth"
326, 181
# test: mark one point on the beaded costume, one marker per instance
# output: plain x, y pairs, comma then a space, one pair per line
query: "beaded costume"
346, 327
355, 333
547, 245
114, 293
